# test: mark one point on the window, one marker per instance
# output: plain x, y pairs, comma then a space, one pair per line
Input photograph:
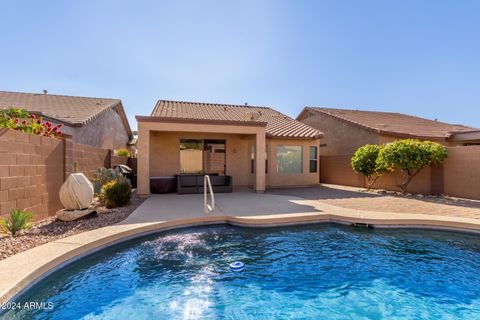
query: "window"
266, 159
252, 159
313, 159
289, 159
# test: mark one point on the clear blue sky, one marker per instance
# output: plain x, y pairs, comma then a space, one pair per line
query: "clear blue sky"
416, 57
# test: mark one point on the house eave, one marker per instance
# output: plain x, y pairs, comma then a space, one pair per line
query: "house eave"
204, 121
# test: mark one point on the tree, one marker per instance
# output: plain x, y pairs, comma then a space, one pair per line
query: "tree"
411, 156
364, 161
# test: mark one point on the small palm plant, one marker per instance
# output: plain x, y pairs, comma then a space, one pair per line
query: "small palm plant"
18, 220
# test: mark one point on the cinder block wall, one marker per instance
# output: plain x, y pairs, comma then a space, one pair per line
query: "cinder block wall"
458, 176
33, 168
31, 173
89, 158
461, 172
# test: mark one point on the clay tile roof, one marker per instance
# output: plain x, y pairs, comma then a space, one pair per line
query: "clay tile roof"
67, 109
277, 124
394, 123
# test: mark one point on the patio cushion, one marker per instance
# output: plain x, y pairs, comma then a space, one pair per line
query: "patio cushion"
194, 183
187, 181
219, 180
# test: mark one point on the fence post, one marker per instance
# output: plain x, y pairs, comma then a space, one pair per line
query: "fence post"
67, 157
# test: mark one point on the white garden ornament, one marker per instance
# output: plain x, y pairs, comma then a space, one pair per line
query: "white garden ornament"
76, 195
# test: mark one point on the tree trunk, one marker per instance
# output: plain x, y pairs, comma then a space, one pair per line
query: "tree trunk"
404, 185
371, 182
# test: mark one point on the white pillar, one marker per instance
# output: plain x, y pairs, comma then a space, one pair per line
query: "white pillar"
143, 162
260, 162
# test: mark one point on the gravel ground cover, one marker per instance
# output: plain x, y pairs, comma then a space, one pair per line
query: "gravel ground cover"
51, 229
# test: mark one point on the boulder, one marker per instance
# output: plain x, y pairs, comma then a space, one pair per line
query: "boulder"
70, 215
76, 192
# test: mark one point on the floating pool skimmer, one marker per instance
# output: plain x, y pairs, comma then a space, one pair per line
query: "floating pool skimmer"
237, 266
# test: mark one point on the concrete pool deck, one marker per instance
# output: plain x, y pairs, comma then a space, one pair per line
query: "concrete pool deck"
163, 212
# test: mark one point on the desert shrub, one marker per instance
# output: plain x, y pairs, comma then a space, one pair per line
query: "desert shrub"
104, 175
364, 161
18, 220
116, 193
411, 156
19, 119
122, 153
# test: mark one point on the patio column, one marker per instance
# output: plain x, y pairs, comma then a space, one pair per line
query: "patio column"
260, 162
143, 165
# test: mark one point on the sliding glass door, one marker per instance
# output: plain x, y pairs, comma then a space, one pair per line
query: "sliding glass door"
202, 156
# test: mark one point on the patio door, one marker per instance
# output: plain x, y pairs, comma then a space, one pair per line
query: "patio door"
202, 156
214, 154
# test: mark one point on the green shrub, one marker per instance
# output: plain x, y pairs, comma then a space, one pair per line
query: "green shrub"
103, 176
116, 193
19, 119
122, 153
411, 156
18, 220
364, 161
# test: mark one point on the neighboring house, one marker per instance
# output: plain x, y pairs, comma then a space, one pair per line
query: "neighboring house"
97, 122
257, 146
344, 131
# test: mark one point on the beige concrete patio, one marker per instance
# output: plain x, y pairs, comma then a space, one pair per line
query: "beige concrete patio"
242, 207
358, 199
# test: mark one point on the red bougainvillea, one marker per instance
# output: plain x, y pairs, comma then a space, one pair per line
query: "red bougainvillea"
18, 119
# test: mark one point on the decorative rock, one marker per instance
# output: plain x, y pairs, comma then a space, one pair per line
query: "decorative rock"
76, 192
70, 215
35, 231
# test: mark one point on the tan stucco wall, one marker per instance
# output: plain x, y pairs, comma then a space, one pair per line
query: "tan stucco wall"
165, 158
159, 152
148, 125
339, 136
106, 131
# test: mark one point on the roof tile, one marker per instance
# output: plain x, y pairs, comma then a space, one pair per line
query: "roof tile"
68, 109
394, 123
278, 124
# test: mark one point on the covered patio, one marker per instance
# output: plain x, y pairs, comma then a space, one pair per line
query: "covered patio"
161, 139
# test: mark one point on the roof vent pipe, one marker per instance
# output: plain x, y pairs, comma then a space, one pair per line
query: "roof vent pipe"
45, 91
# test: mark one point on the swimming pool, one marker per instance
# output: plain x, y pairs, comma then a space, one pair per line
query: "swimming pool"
318, 271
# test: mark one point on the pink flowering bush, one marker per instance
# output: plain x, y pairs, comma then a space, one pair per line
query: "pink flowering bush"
18, 119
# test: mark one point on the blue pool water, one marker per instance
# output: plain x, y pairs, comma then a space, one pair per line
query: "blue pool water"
314, 272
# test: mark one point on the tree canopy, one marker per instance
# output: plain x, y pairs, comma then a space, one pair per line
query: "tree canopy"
411, 156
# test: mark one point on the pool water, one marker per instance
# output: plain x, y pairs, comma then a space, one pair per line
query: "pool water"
305, 272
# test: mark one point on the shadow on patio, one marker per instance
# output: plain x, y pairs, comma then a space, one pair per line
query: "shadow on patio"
321, 193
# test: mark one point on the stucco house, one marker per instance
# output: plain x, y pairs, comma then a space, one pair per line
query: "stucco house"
257, 146
98, 122
344, 131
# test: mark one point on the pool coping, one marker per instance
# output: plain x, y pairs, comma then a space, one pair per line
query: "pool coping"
23, 270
